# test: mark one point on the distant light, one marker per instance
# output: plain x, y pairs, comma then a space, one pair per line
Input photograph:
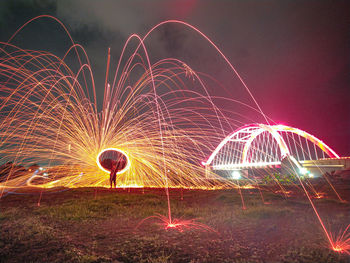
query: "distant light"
45, 174
311, 175
236, 175
303, 171
40, 168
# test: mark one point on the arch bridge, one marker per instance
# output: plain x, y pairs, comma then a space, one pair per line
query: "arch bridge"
263, 146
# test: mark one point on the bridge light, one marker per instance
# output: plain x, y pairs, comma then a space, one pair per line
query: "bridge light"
303, 171
235, 175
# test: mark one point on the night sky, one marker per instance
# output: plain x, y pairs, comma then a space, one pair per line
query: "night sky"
293, 55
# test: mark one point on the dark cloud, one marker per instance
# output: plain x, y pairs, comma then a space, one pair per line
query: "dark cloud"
294, 55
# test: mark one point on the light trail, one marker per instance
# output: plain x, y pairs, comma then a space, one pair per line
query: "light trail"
164, 121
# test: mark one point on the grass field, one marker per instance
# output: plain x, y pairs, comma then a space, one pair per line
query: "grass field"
102, 225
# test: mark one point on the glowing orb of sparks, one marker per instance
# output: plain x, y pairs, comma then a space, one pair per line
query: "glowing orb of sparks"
105, 158
337, 248
171, 225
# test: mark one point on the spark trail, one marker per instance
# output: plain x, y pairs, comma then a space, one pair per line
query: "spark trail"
160, 115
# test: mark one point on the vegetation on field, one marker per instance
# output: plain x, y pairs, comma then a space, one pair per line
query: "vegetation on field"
100, 225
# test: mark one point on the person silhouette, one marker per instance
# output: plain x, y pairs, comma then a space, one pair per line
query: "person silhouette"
113, 175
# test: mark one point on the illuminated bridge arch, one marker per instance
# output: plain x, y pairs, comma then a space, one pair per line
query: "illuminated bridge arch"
261, 145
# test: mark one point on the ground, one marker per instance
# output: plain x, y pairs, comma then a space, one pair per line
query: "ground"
102, 225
